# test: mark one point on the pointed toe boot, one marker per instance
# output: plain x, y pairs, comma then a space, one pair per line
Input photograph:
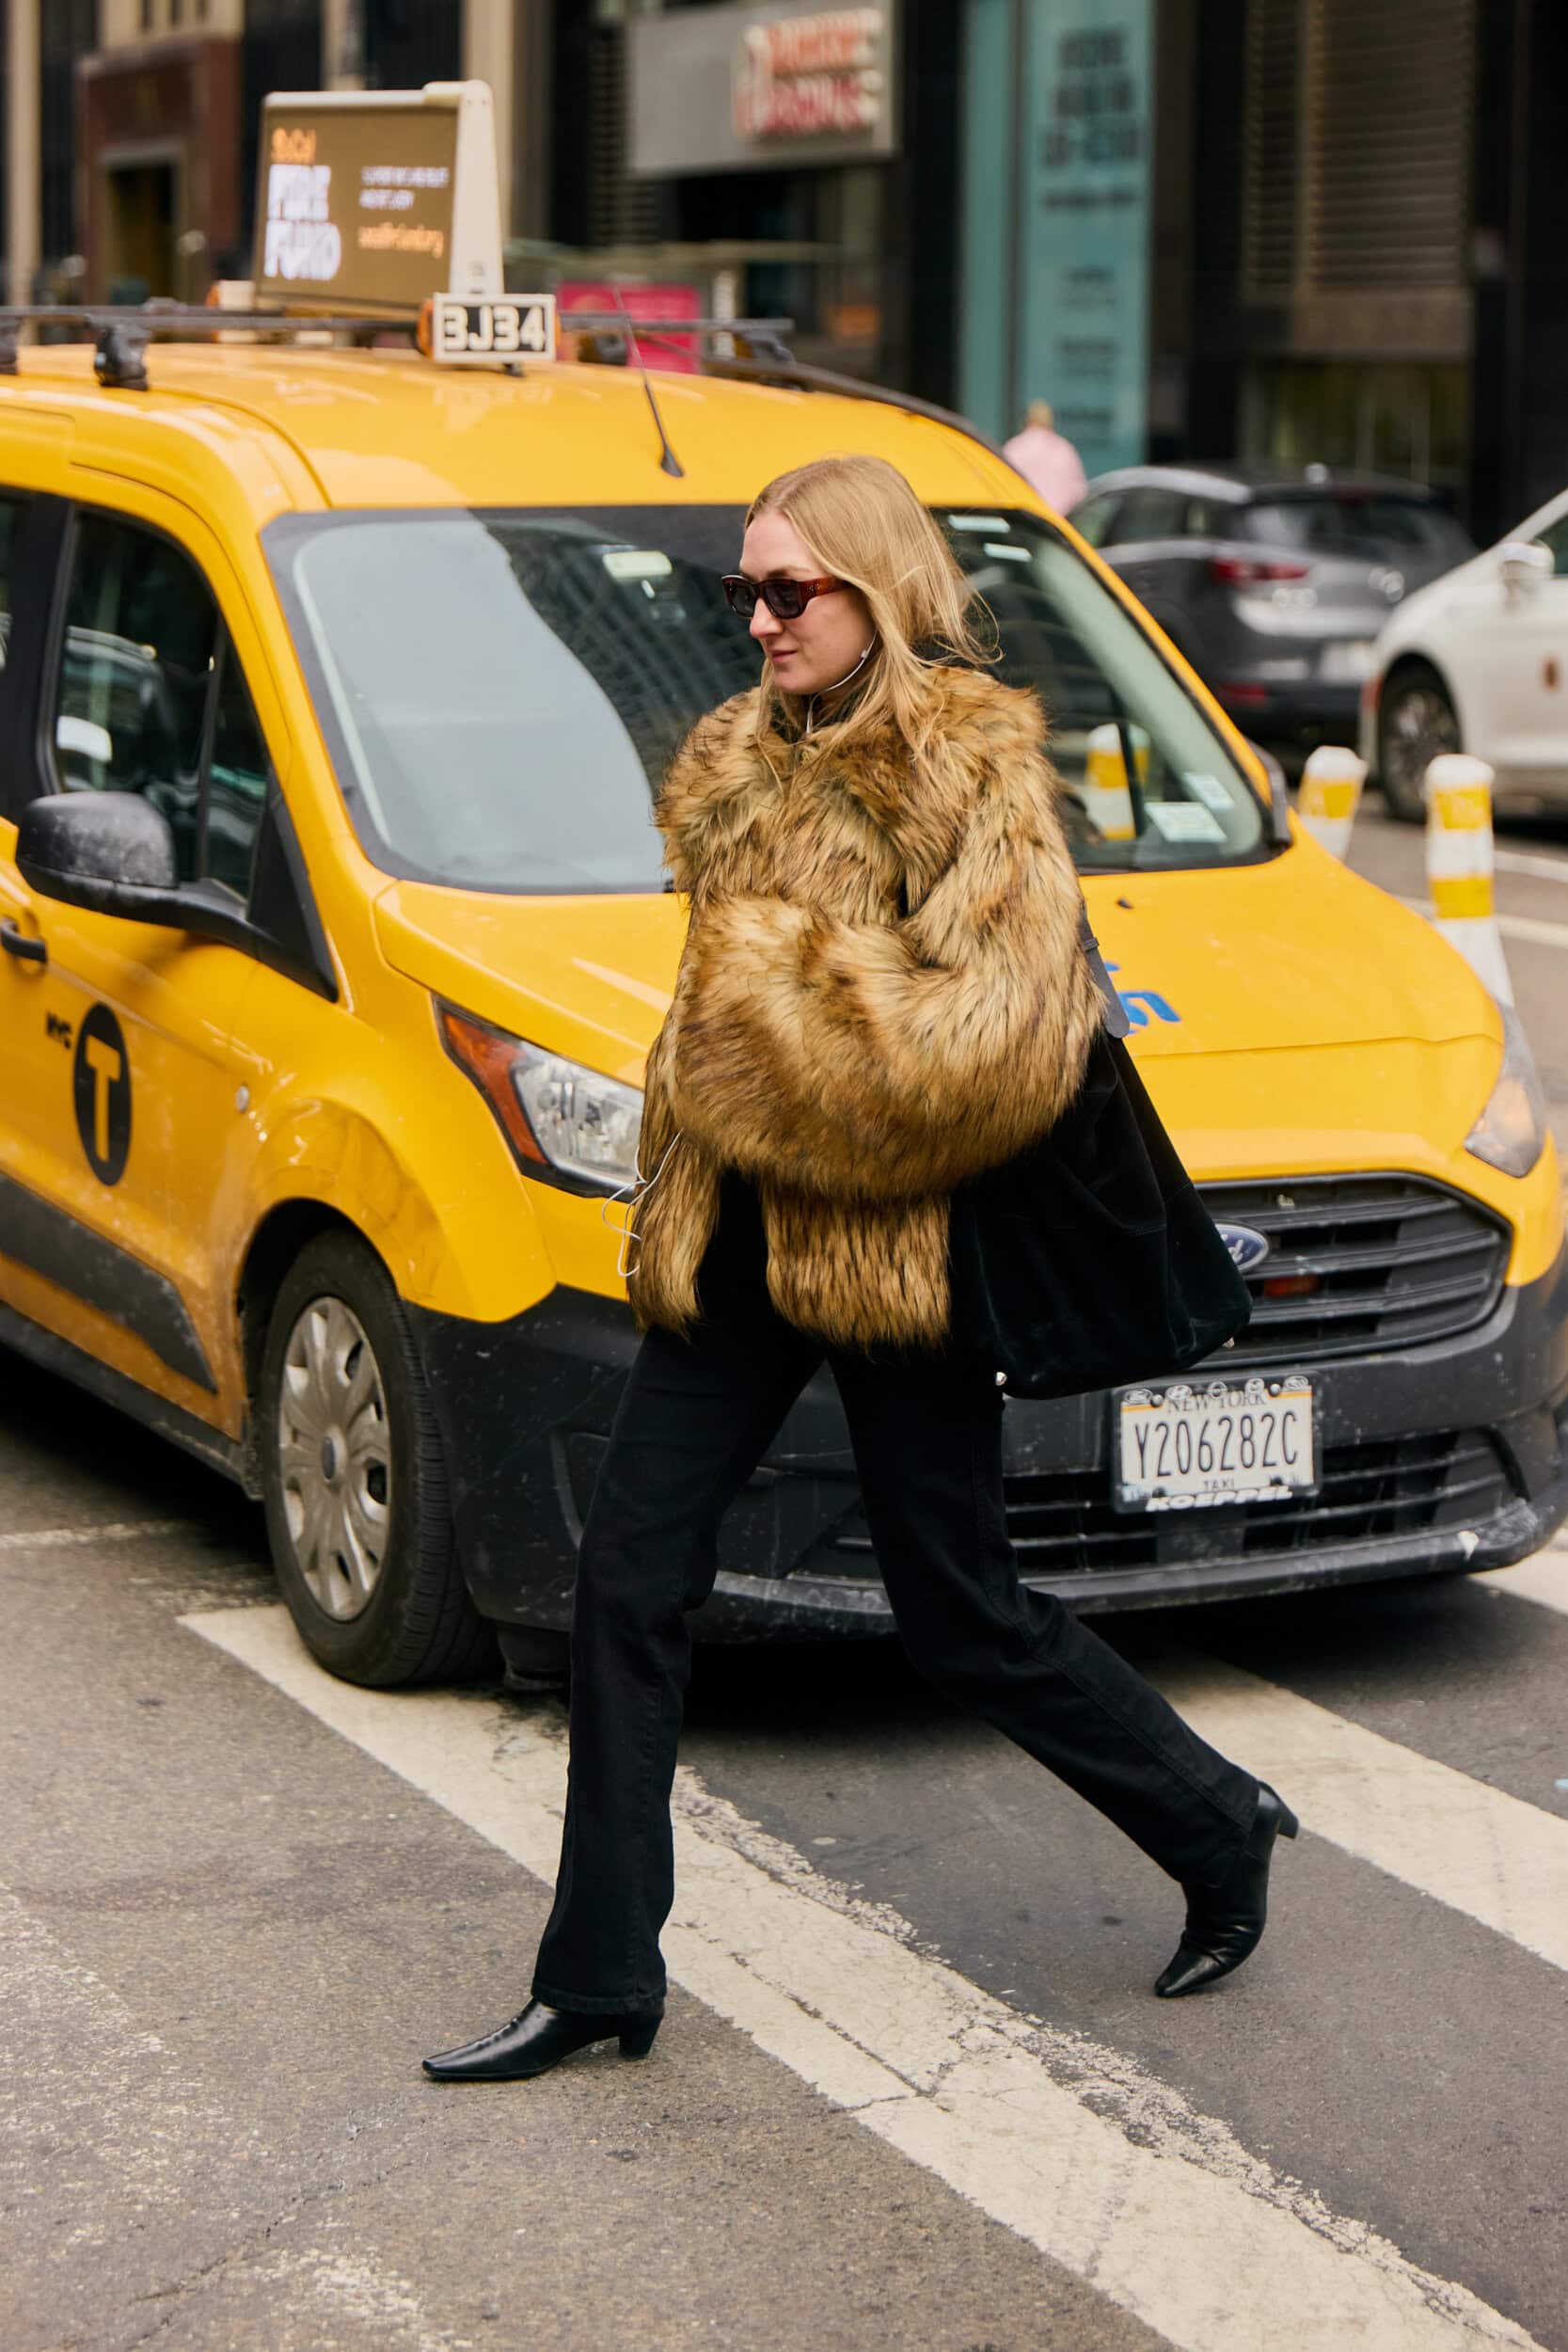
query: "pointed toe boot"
1225, 1923
539, 2038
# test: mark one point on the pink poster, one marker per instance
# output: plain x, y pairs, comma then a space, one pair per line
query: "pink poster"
676, 352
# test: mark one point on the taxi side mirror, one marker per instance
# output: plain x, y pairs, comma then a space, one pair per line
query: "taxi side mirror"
113, 853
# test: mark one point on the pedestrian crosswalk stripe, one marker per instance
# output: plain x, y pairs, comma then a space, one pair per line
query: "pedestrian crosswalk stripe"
1543, 1579
1068, 2144
1474, 1848
113, 1531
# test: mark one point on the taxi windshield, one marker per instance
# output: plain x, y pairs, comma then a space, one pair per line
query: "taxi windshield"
502, 690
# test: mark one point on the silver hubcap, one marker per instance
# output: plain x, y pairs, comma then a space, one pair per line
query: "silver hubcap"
1419, 726
334, 1457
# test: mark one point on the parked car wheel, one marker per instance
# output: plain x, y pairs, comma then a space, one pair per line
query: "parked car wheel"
1415, 722
354, 1481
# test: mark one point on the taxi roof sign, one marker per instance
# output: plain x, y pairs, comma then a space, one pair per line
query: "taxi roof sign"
373, 199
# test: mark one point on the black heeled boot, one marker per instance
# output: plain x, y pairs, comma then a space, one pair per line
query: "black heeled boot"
1225, 1923
539, 2038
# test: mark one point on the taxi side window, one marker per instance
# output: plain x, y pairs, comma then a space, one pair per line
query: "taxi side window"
149, 698
10, 516
237, 780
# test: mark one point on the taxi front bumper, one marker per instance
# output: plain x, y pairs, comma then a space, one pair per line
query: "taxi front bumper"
1439, 1456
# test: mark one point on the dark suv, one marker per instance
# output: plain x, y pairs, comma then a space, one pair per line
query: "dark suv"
1273, 582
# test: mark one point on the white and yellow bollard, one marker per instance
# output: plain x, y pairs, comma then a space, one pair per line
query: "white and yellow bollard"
1329, 797
1107, 800
1459, 866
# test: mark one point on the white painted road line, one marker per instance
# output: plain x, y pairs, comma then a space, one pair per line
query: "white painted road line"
1522, 862
1068, 2144
1473, 1848
116, 1532
1543, 1579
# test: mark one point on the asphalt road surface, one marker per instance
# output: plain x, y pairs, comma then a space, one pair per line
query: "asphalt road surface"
912, 2089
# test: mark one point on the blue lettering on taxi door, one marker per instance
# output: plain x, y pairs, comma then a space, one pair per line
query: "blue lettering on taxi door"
1141, 1002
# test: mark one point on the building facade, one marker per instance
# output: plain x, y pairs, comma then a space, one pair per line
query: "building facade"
129, 126
1300, 229
1289, 228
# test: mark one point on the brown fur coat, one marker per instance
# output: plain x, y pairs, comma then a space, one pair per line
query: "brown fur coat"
856, 1061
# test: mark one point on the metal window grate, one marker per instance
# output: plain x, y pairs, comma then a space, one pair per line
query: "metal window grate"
1396, 1261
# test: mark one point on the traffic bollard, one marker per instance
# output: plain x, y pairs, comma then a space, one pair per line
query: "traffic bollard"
1107, 801
1329, 797
1459, 866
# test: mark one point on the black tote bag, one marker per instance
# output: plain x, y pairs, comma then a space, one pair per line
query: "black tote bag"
1090, 1260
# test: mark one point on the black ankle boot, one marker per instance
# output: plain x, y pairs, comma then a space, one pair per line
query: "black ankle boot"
539, 2038
1225, 1923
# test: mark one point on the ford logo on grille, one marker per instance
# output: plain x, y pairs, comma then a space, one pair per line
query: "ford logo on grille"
1247, 1248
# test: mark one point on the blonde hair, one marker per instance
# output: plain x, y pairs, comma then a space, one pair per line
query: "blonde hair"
1041, 413
860, 519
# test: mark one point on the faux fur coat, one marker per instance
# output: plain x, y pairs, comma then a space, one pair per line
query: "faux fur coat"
883, 993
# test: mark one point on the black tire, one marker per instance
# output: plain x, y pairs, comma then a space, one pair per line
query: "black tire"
356, 1501
1416, 721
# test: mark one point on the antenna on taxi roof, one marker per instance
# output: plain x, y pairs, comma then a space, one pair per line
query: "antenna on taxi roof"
669, 461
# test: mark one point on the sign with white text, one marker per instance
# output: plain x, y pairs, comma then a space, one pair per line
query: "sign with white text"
1084, 279
760, 84
373, 199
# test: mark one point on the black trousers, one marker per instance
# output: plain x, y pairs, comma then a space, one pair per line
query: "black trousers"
695, 1418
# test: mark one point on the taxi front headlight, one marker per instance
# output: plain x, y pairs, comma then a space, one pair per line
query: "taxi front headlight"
1510, 1133
565, 1124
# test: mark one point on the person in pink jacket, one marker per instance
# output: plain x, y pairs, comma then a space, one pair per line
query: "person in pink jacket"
1047, 458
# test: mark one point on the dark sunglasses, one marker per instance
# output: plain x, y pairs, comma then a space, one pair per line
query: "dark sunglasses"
786, 600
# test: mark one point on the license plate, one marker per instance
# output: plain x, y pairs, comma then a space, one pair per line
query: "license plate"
1196, 1447
1349, 663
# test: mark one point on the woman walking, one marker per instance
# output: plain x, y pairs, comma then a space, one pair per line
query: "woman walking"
883, 994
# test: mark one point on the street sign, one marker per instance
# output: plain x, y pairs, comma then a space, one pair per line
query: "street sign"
377, 198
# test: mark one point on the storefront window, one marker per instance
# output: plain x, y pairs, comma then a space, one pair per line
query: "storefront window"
1410, 421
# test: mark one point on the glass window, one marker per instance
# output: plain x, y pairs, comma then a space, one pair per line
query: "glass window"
1555, 536
501, 692
1093, 520
1352, 523
1210, 518
10, 522
1148, 782
1151, 513
151, 698
238, 777
130, 700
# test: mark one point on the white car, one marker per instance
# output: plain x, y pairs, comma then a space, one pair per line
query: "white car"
1478, 662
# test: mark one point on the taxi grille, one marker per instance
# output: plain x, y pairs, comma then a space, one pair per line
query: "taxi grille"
1062, 1524
1376, 1262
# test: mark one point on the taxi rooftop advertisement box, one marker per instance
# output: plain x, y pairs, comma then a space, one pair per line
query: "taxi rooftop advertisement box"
372, 199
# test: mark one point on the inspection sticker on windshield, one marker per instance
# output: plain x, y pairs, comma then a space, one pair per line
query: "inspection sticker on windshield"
1195, 1446
1183, 821
1208, 789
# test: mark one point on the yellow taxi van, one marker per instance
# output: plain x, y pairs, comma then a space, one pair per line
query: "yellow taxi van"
333, 936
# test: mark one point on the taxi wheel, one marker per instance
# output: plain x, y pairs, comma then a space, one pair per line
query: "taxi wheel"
354, 1481
1415, 722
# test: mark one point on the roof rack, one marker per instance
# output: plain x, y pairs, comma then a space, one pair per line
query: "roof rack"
760, 332
122, 331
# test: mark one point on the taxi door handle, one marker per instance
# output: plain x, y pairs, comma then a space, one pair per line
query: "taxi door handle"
16, 941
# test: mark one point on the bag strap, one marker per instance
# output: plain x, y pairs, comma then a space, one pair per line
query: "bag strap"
1114, 1013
